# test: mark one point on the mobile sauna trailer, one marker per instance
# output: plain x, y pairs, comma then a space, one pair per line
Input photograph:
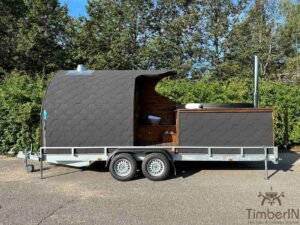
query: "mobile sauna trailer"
117, 117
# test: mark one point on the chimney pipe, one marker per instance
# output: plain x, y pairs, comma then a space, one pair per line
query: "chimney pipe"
256, 95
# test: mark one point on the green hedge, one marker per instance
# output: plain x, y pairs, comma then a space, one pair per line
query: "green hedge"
20, 102
282, 97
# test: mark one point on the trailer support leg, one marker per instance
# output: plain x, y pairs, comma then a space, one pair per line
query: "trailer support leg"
266, 163
266, 169
41, 163
26, 158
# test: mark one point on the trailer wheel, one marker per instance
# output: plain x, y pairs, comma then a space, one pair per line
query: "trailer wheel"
156, 166
30, 168
123, 167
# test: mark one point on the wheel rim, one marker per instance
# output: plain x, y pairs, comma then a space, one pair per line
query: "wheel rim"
155, 167
122, 167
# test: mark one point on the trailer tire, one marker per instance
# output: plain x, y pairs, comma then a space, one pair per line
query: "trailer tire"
123, 167
30, 168
156, 166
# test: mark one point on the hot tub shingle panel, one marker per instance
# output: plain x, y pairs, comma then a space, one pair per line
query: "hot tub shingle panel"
226, 129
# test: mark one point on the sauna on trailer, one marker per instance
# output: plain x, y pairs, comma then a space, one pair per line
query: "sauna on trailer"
116, 116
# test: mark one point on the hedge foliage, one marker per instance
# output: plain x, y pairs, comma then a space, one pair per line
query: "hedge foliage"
20, 105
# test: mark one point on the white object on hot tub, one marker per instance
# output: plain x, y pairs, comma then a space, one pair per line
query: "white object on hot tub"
151, 117
193, 106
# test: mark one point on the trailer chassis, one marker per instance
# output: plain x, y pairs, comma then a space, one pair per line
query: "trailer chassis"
173, 153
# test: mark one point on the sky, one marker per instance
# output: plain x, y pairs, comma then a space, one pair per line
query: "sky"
76, 7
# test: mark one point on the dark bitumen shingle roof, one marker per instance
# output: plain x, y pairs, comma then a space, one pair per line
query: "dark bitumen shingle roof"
92, 108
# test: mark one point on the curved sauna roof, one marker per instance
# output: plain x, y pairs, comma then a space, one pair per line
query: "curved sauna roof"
93, 108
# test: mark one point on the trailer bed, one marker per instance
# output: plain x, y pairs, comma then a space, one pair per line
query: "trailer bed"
73, 156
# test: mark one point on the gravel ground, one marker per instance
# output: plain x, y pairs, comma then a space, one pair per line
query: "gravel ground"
201, 193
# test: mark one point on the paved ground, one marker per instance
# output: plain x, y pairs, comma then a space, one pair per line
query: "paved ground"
202, 193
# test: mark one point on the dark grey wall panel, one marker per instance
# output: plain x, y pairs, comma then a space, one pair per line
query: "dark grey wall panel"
225, 128
92, 110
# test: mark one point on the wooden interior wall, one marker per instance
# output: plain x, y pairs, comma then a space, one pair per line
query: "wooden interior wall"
153, 134
149, 102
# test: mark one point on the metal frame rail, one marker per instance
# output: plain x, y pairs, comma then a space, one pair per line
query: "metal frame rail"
174, 151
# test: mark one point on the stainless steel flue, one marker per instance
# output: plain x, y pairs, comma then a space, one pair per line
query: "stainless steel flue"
256, 71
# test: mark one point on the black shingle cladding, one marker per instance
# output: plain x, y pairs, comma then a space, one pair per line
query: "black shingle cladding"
226, 129
92, 110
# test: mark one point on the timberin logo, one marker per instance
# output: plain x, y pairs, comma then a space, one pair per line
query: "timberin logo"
269, 212
271, 197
